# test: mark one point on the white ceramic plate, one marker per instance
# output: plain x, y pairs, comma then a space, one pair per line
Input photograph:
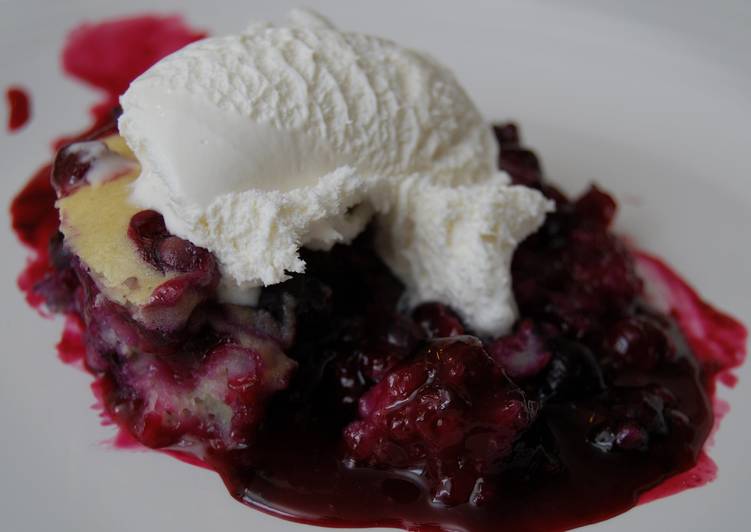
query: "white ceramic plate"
650, 99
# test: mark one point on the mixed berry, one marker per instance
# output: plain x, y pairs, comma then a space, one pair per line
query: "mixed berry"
327, 399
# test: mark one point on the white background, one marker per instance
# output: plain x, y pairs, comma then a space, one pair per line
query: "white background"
649, 98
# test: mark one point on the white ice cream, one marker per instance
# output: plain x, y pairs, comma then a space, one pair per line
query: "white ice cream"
255, 145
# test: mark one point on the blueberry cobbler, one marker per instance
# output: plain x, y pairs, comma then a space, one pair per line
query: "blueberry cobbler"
300, 257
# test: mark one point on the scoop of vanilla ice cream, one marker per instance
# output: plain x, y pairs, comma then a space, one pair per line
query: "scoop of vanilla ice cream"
455, 244
255, 145
247, 119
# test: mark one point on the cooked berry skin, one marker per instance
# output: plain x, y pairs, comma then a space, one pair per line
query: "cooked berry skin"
450, 411
68, 171
164, 251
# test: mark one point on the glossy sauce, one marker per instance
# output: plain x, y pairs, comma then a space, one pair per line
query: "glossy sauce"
298, 474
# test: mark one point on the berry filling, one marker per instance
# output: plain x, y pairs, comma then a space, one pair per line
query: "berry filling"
449, 414
327, 391
162, 250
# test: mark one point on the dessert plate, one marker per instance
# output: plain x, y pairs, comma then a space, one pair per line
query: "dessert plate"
651, 102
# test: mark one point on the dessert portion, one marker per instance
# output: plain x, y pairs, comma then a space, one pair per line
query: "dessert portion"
298, 256
185, 369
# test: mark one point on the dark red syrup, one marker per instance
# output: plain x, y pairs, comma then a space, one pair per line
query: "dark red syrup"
19, 108
556, 478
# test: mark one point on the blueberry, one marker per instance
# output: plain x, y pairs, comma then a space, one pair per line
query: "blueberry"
572, 373
507, 134
636, 342
177, 254
69, 169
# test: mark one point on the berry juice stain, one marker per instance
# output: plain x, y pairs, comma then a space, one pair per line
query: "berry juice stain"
19, 108
295, 469
109, 55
